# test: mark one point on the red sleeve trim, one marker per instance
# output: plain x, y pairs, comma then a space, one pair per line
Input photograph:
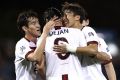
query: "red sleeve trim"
33, 48
65, 77
28, 54
106, 62
57, 27
92, 42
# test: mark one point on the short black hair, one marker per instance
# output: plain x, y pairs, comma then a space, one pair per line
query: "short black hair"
50, 13
76, 9
23, 17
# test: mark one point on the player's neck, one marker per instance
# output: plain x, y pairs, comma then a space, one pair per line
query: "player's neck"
78, 25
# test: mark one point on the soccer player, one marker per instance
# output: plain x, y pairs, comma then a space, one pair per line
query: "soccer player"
29, 24
109, 68
74, 15
26, 56
63, 66
91, 67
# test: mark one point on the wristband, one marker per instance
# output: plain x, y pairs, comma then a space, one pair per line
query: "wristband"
71, 48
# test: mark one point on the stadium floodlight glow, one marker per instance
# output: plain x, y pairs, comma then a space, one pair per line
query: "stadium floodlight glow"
113, 49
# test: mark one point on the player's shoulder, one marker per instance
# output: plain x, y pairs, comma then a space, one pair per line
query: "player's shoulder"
22, 41
102, 41
87, 28
74, 29
71, 29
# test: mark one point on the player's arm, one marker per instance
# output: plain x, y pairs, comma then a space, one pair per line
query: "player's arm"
110, 71
41, 69
38, 53
109, 68
90, 50
93, 41
82, 49
64, 48
101, 56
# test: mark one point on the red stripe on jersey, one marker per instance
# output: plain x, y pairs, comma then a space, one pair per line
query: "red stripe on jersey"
92, 42
65, 77
57, 27
28, 54
27, 39
106, 62
33, 48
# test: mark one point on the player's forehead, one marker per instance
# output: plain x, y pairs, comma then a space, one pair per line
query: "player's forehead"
66, 12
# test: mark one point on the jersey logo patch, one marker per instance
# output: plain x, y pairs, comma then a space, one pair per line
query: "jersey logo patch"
107, 49
22, 48
90, 34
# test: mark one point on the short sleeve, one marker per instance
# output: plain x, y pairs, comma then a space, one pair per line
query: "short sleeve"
104, 47
22, 49
90, 34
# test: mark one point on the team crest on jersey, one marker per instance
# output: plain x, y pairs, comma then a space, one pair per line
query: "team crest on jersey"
107, 49
22, 48
90, 34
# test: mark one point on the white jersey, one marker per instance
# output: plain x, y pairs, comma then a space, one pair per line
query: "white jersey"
91, 67
25, 70
90, 34
104, 47
60, 66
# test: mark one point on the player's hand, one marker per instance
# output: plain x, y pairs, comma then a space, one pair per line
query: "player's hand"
50, 24
64, 47
60, 48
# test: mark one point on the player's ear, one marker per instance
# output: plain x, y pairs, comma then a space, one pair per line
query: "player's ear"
24, 28
84, 23
77, 17
87, 22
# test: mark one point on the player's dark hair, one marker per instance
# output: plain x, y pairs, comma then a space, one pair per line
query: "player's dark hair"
50, 13
76, 9
23, 17
86, 15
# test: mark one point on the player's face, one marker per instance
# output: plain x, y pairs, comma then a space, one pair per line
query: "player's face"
33, 27
69, 19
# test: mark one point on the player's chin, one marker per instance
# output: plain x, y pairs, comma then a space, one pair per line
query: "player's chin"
37, 34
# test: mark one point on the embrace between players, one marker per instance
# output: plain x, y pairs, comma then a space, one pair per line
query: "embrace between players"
67, 49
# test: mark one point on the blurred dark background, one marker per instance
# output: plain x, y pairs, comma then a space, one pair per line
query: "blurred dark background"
104, 18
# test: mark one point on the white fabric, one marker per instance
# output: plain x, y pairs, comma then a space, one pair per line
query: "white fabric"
104, 47
24, 69
91, 67
56, 67
90, 34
